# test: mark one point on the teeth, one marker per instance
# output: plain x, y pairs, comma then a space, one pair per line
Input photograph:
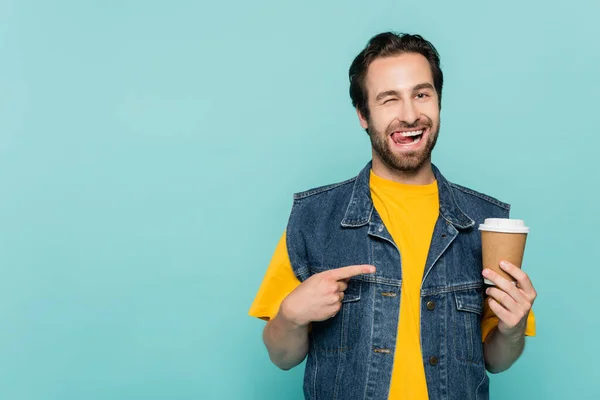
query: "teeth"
417, 140
412, 133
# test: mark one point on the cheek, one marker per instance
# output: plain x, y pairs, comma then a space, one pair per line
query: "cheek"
382, 119
430, 110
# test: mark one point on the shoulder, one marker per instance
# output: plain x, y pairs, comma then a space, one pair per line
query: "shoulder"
471, 195
331, 188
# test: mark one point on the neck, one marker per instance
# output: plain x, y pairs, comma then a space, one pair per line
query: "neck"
420, 176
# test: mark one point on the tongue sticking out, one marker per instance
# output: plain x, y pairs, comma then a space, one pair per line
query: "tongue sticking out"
398, 138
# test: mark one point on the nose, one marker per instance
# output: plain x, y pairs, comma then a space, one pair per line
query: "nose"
409, 113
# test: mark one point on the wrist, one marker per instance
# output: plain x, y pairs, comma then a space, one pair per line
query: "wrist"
289, 317
514, 337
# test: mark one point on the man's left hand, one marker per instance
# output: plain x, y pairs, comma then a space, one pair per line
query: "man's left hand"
511, 303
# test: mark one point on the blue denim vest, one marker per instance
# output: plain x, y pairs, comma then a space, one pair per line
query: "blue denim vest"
351, 355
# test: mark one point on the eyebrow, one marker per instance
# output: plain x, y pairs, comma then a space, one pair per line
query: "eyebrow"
418, 87
421, 86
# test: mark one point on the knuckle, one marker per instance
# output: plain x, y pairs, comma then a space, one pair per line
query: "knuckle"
519, 272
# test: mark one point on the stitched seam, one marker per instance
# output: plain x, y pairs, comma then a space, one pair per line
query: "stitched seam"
482, 196
343, 315
354, 223
382, 281
450, 289
478, 386
426, 274
471, 222
322, 350
368, 363
470, 309
470, 335
316, 364
303, 270
369, 279
322, 189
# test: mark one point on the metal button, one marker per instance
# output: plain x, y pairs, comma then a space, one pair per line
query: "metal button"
443, 235
383, 351
430, 305
380, 228
433, 361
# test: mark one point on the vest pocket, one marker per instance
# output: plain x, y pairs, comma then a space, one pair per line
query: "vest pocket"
330, 337
467, 325
352, 292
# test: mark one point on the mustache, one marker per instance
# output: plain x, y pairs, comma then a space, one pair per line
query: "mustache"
422, 122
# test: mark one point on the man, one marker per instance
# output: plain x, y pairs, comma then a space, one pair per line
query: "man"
378, 280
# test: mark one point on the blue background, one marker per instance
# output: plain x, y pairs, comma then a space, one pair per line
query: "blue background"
149, 151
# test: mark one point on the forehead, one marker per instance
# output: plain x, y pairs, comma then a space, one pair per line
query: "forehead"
401, 72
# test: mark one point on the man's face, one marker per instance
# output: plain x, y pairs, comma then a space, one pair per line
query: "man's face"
404, 113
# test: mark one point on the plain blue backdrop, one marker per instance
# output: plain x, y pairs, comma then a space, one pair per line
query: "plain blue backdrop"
149, 151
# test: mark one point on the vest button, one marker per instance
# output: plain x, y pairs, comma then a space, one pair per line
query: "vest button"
433, 361
430, 305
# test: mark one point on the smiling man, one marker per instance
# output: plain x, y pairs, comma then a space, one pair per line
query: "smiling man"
378, 280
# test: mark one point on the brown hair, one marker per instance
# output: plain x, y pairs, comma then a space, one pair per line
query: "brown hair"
385, 45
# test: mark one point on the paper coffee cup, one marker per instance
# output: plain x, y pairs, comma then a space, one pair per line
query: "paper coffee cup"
502, 239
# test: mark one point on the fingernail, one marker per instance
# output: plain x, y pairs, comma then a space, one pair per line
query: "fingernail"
486, 272
487, 291
503, 264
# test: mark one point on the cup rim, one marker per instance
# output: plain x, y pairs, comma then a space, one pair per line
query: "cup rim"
487, 228
517, 226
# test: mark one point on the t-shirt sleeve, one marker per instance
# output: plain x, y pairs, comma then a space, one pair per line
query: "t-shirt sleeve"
279, 281
489, 321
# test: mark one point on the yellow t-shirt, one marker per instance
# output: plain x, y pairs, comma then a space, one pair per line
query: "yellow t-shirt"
409, 212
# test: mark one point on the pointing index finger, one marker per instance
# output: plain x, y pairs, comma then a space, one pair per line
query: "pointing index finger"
352, 270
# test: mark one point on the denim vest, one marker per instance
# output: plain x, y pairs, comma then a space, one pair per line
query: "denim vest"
351, 355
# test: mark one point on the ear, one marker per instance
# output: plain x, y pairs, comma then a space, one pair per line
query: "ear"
362, 119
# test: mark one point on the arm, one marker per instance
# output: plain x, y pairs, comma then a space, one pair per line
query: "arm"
286, 342
316, 299
501, 351
511, 304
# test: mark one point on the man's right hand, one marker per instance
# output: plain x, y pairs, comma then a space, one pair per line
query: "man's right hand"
320, 297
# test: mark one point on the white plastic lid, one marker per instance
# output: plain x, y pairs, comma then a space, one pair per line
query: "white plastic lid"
504, 225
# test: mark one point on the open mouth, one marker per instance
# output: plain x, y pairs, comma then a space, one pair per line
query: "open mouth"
408, 138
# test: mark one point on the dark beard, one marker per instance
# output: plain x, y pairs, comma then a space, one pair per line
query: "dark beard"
408, 162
